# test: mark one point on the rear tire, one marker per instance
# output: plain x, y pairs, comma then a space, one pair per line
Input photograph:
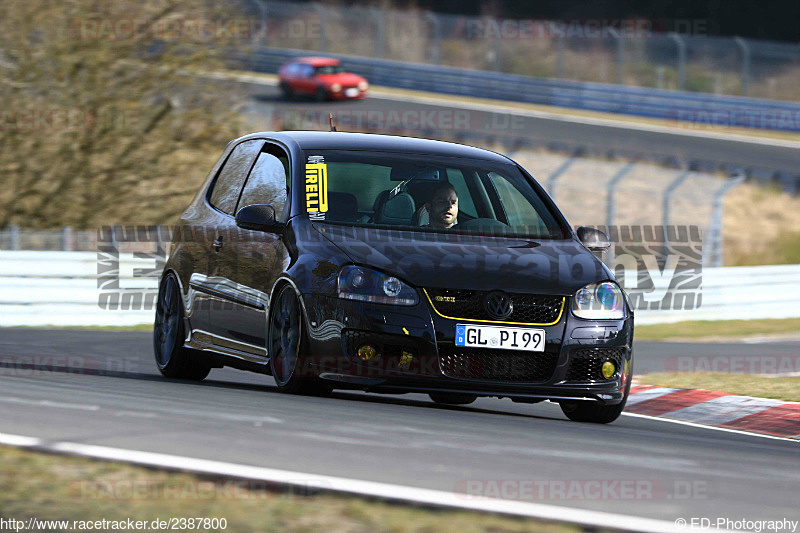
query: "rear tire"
173, 359
452, 398
286, 344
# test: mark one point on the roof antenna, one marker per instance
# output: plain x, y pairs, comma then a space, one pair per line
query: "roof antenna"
330, 118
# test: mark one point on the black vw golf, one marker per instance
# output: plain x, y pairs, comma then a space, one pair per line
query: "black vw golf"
392, 264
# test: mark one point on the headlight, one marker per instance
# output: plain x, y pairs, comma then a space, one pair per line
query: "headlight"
358, 283
599, 301
362, 86
336, 87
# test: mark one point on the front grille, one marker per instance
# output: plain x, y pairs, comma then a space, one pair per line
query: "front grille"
585, 364
469, 305
498, 365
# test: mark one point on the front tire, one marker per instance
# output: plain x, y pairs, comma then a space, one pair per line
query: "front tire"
286, 91
286, 344
321, 94
173, 359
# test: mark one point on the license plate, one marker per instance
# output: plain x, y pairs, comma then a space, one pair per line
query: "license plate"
500, 338
350, 93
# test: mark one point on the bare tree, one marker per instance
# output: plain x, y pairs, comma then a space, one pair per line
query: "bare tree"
103, 115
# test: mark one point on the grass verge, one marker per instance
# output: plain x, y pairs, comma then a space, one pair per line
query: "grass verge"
717, 329
780, 388
54, 487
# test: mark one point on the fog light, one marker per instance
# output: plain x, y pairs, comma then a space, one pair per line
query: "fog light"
608, 369
367, 352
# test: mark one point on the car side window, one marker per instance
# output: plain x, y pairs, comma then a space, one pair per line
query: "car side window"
226, 188
518, 209
267, 182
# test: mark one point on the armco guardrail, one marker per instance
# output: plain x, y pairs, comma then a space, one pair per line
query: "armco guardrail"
692, 108
64, 289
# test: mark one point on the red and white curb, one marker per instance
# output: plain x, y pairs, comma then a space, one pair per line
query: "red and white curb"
717, 409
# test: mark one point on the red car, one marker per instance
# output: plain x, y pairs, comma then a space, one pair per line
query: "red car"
320, 77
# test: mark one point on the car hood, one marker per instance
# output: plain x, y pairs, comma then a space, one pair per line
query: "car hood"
451, 261
345, 79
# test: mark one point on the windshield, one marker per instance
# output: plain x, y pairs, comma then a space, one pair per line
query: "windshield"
425, 193
329, 69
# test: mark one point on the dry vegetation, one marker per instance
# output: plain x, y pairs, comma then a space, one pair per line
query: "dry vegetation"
761, 226
121, 135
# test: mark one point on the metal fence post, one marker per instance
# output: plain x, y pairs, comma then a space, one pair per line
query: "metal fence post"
66, 239
560, 57
262, 7
746, 57
610, 207
714, 256
13, 237
323, 18
496, 53
612, 187
681, 59
551, 180
668, 192
378, 16
436, 51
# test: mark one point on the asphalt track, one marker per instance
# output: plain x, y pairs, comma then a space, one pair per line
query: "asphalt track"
102, 388
383, 113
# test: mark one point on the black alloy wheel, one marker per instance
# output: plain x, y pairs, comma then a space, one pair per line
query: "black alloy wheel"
173, 359
285, 345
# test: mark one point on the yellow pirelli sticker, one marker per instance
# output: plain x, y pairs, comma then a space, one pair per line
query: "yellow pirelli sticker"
316, 189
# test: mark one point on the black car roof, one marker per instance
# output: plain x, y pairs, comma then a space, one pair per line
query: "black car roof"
327, 140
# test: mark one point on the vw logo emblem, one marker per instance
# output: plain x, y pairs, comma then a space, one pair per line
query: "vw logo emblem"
498, 305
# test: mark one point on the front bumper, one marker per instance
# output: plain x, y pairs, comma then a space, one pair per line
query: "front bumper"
342, 95
416, 353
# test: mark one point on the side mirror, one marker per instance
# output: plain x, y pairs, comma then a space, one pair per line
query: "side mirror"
259, 217
593, 239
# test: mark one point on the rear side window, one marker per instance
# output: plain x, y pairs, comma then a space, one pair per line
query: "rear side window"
267, 183
226, 188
